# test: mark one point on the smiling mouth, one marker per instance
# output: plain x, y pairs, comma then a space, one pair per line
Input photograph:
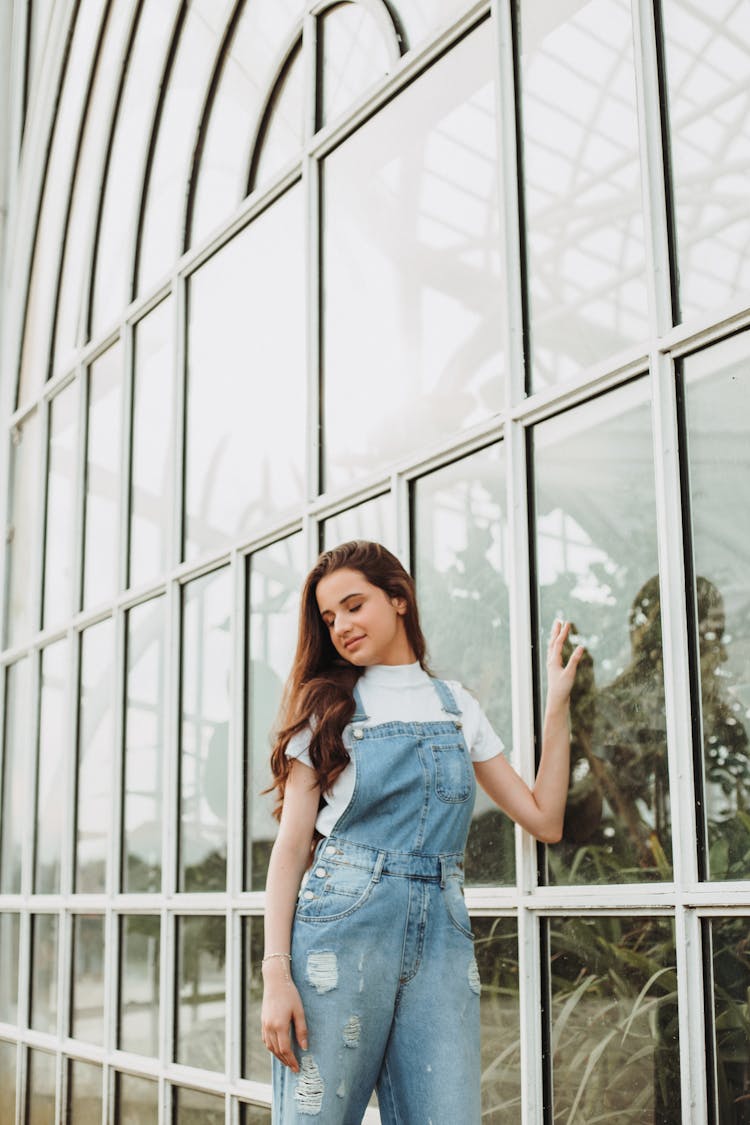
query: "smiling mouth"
354, 641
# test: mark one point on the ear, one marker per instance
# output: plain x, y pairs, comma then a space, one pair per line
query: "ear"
399, 605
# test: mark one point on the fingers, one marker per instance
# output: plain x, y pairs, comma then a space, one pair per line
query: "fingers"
279, 1044
300, 1026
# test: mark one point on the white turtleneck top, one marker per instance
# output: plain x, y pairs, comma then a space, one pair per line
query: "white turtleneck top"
399, 693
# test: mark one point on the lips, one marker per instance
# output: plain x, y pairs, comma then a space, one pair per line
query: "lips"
354, 641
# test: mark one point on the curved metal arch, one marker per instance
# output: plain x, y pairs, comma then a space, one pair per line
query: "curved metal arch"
220, 60
392, 34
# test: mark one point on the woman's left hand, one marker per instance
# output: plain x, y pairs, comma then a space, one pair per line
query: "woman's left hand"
560, 676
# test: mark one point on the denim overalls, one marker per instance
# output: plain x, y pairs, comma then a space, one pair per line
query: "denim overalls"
382, 949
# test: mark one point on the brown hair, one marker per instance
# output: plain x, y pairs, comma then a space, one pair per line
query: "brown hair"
319, 689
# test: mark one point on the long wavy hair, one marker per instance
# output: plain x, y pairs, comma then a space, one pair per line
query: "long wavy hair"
318, 693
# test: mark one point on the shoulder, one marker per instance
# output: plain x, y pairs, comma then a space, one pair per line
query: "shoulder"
481, 738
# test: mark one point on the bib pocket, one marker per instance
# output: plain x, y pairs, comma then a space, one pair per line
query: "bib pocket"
454, 779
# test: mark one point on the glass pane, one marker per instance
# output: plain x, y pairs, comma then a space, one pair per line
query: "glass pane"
597, 567
40, 303
95, 757
87, 979
614, 1020
206, 668
256, 1059
137, 1100
84, 205
155, 432
263, 33
193, 1107
460, 567
282, 135
102, 520
251, 1114
21, 535
275, 577
62, 471
9, 952
54, 761
8, 1054
355, 55
371, 520
412, 257
708, 71
162, 229
730, 958
138, 1020
145, 717
718, 425
40, 1092
585, 238
44, 931
496, 949
15, 778
84, 1093
422, 19
201, 992
114, 254
246, 387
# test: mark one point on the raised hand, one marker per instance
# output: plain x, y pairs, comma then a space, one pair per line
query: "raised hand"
560, 676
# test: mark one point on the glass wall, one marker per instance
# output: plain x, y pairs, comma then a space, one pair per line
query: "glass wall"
469, 279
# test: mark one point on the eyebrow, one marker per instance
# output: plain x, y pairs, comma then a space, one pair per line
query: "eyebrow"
346, 598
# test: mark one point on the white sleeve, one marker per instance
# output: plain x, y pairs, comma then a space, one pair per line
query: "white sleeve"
299, 747
482, 740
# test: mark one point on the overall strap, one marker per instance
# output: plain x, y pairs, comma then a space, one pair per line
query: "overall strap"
447, 699
360, 715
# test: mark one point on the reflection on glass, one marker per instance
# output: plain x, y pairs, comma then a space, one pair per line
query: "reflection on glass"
262, 34
193, 1107
114, 252
282, 132
412, 263
40, 1088
206, 666
201, 992
275, 577
251, 1114
371, 520
585, 236
95, 757
102, 519
9, 931
60, 513
41, 298
718, 425
355, 55
137, 1100
44, 930
460, 567
15, 776
53, 761
708, 72
84, 1093
138, 1018
496, 950
164, 214
615, 1054
730, 961
21, 536
144, 747
256, 1060
87, 979
154, 436
8, 1082
597, 567
246, 389
84, 205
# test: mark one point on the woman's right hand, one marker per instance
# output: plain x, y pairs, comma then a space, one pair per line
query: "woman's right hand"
282, 1007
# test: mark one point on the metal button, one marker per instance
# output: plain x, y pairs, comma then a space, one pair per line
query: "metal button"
459, 724
308, 895
321, 872
358, 732
330, 850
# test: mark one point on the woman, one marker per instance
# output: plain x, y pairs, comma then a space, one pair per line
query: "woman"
369, 974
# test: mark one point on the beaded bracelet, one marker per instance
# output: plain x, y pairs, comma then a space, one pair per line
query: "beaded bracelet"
270, 956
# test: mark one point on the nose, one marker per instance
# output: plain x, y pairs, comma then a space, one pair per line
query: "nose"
340, 625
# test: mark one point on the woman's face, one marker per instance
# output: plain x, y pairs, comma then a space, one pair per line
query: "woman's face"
366, 626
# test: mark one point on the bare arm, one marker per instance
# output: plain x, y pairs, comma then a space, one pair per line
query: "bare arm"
290, 855
541, 808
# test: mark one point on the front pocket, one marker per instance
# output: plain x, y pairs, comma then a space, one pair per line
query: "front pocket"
453, 772
456, 906
335, 894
